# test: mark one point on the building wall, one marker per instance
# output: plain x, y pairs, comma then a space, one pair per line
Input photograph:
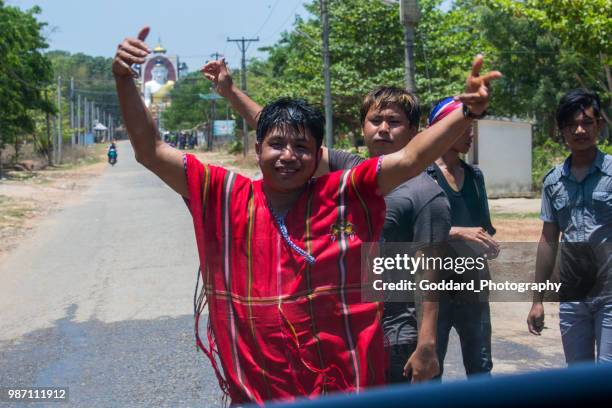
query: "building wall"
502, 150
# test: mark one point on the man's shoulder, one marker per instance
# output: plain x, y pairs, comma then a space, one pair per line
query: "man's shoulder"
211, 173
365, 170
423, 184
340, 159
606, 166
474, 170
418, 191
553, 176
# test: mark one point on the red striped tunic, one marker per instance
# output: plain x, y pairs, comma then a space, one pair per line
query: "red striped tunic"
279, 326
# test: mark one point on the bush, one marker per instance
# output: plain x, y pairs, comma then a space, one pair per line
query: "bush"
344, 143
606, 147
235, 147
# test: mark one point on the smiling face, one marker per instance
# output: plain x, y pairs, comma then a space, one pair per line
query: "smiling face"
288, 158
387, 130
581, 132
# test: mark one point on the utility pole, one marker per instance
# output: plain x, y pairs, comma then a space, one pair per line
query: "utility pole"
85, 118
98, 118
58, 157
78, 120
49, 142
329, 136
72, 110
243, 44
213, 109
409, 17
92, 112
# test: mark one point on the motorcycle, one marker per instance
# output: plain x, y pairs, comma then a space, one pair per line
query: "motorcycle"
112, 157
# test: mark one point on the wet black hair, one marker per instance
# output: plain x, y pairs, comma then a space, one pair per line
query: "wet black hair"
294, 113
576, 100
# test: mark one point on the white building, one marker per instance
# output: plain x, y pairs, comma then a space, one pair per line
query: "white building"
502, 149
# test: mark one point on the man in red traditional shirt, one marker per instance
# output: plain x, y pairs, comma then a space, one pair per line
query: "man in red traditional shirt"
280, 257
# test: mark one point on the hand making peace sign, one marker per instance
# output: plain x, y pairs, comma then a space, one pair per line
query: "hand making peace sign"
476, 96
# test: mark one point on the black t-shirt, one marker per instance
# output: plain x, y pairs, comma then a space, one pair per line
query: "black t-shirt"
466, 211
417, 211
464, 203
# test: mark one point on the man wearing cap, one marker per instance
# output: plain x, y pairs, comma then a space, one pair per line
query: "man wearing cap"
470, 235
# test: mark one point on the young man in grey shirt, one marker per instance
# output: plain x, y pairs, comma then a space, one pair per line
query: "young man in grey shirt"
417, 211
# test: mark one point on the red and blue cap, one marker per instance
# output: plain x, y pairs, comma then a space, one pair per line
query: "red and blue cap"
442, 109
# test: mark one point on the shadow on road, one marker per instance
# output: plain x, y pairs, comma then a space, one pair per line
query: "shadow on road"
144, 363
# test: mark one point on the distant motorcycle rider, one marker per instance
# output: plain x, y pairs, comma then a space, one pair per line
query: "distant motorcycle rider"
112, 153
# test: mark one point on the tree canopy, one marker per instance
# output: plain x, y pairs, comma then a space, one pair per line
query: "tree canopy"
188, 110
24, 71
543, 47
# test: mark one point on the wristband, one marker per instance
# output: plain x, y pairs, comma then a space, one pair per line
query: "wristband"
468, 114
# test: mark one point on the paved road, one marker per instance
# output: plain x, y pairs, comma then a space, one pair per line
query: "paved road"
99, 299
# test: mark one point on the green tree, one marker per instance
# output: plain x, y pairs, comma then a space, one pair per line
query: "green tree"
367, 50
92, 80
24, 72
187, 110
537, 67
446, 43
582, 28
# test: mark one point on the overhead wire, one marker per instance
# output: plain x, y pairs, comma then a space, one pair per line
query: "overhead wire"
299, 2
267, 18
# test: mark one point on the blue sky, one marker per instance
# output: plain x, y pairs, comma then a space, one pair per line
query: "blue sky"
192, 29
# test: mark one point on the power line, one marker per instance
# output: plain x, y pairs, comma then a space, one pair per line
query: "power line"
285, 23
267, 18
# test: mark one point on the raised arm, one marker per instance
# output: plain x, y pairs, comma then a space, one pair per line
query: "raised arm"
434, 141
218, 73
150, 150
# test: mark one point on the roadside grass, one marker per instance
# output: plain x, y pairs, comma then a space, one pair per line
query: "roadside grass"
13, 211
83, 156
72, 159
517, 227
249, 162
